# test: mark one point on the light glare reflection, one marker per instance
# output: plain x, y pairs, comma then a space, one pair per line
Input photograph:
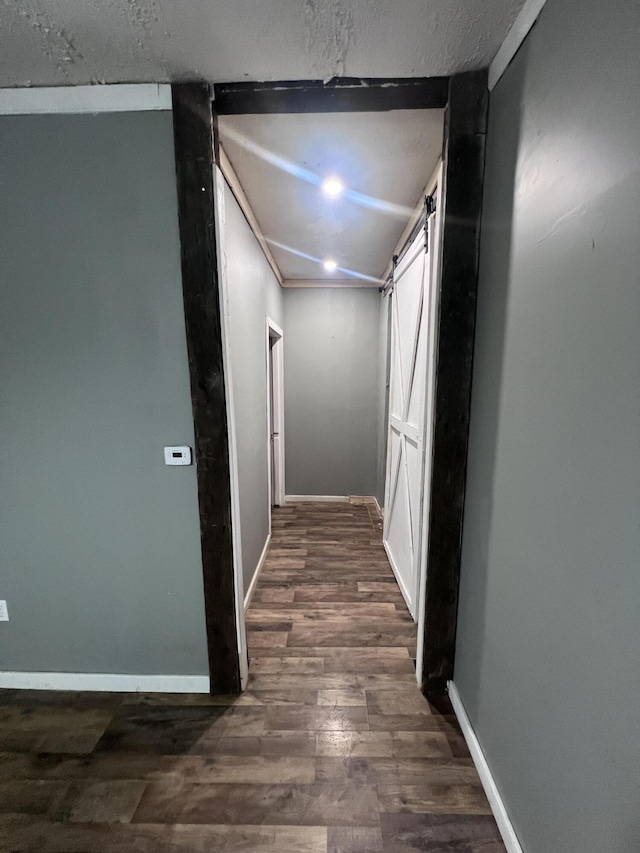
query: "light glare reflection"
310, 177
333, 187
299, 254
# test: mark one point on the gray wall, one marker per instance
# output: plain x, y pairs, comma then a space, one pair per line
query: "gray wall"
254, 293
548, 651
331, 391
99, 543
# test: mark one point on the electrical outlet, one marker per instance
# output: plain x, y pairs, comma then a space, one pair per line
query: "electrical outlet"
4, 613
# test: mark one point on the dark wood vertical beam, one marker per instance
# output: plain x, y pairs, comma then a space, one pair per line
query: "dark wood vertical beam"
195, 173
464, 153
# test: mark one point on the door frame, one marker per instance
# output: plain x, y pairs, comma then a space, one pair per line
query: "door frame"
435, 258
465, 98
465, 129
236, 531
275, 378
199, 224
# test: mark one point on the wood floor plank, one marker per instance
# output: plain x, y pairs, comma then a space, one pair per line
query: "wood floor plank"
434, 744
347, 561
266, 639
370, 770
381, 633
302, 612
91, 801
302, 718
280, 577
367, 656
282, 594
256, 625
333, 539
357, 744
327, 804
270, 743
397, 702
260, 769
52, 728
342, 681
435, 798
410, 833
331, 593
342, 698
282, 757
50, 837
243, 768
288, 666
267, 620
146, 729
363, 605
388, 660
359, 550
30, 797
281, 562
274, 695
387, 586
405, 722
356, 839
288, 552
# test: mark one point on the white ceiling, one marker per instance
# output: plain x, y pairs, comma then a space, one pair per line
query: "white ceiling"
64, 42
388, 157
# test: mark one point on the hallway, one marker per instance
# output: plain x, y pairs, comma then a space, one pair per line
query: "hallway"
332, 749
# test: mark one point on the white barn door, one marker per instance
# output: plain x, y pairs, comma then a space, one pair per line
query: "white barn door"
412, 303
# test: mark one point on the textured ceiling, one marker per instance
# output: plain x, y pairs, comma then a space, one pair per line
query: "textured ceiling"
386, 159
65, 42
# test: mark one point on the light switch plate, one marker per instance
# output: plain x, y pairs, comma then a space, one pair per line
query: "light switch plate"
177, 456
4, 613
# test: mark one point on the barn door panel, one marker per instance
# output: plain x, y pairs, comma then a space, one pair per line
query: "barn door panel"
407, 394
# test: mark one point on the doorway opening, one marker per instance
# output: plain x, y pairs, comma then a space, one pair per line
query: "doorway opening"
345, 248
342, 209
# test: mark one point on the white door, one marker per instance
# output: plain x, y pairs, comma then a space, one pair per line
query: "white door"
411, 305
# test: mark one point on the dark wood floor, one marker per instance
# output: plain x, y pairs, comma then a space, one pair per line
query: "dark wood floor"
332, 749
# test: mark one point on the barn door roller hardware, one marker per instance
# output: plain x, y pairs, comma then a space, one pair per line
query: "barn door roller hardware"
430, 204
429, 210
423, 222
387, 287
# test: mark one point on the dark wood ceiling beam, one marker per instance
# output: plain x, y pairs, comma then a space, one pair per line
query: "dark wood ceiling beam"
342, 94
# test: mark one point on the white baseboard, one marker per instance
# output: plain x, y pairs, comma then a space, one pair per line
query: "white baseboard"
378, 507
104, 682
252, 585
484, 772
292, 499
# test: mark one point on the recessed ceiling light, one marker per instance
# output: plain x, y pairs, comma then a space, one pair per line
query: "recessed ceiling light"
330, 266
333, 187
